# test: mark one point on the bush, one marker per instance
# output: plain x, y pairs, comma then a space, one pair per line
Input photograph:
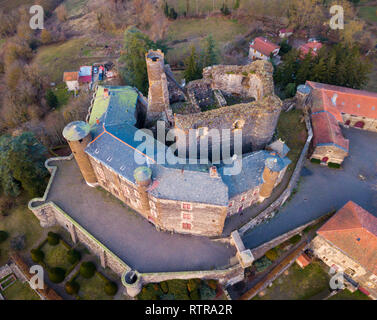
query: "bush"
37, 255
3, 236
148, 293
56, 275
195, 295
178, 288
73, 256
164, 287
333, 165
87, 269
111, 288
72, 287
193, 284
212, 284
207, 293
314, 160
272, 254
295, 239
53, 238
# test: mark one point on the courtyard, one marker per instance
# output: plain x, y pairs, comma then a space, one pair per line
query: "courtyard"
323, 189
129, 235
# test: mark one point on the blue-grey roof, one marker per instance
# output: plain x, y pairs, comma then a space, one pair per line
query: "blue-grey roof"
280, 147
114, 145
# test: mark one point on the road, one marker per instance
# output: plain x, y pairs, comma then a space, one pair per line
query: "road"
323, 189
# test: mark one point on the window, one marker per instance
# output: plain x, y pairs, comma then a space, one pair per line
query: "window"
186, 226
152, 204
186, 206
186, 216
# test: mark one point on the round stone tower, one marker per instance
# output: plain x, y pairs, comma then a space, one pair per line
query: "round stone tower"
143, 179
78, 135
270, 175
158, 94
133, 283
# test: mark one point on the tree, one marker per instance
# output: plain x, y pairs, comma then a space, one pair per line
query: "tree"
22, 165
134, 68
37, 255
87, 269
51, 99
210, 56
72, 287
53, 238
192, 66
225, 10
56, 275
46, 36
3, 236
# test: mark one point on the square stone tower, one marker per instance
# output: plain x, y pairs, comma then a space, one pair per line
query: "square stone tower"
158, 94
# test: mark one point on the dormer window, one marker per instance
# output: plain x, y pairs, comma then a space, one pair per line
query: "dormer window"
186, 206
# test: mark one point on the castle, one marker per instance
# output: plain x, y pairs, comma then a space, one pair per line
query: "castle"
183, 198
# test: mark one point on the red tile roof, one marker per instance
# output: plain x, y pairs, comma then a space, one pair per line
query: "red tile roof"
85, 79
303, 260
326, 130
353, 230
339, 100
313, 46
263, 46
71, 76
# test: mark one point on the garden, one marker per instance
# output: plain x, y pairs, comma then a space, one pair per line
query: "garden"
193, 289
13, 289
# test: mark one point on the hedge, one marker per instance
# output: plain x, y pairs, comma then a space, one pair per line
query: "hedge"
314, 160
333, 165
73, 256
56, 275
72, 287
296, 238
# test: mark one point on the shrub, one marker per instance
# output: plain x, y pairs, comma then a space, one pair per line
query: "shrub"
296, 238
193, 284
37, 255
73, 256
53, 238
164, 287
207, 293
272, 254
87, 269
314, 160
3, 236
111, 288
148, 293
333, 165
72, 287
195, 295
56, 275
178, 288
212, 284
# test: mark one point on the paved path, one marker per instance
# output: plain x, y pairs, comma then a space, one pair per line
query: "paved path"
323, 189
129, 235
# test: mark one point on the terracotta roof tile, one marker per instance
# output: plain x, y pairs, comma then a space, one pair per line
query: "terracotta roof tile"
264, 46
314, 46
339, 100
71, 76
353, 230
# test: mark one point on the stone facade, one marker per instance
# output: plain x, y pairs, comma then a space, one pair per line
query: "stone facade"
360, 122
329, 154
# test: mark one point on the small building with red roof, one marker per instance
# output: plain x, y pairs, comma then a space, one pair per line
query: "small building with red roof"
71, 79
347, 242
261, 48
303, 260
285, 33
313, 47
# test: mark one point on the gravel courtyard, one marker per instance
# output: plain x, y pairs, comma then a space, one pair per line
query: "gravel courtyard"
323, 189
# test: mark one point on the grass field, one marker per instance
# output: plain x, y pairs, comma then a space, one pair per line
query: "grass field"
53, 60
93, 288
348, 295
368, 14
21, 221
56, 256
191, 32
199, 6
299, 284
20, 291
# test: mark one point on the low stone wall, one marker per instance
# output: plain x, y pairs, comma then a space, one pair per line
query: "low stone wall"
270, 212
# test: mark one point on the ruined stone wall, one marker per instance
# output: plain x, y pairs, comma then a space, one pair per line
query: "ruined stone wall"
253, 80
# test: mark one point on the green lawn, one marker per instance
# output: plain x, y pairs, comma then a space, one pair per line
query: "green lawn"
54, 59
204, 6
368, 14
56, 256
21, 221
93, 288
348, 295
194, 32
299, 284
292, 131
20, 291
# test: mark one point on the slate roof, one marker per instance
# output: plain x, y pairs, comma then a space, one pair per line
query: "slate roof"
353, 230
263, 45
112, 126
280, 147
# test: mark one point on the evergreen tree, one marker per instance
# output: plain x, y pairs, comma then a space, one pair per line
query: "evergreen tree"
192, 66
319, 73
210, 56
166, 9
173, 14
22, 165
51, 99
304, 70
